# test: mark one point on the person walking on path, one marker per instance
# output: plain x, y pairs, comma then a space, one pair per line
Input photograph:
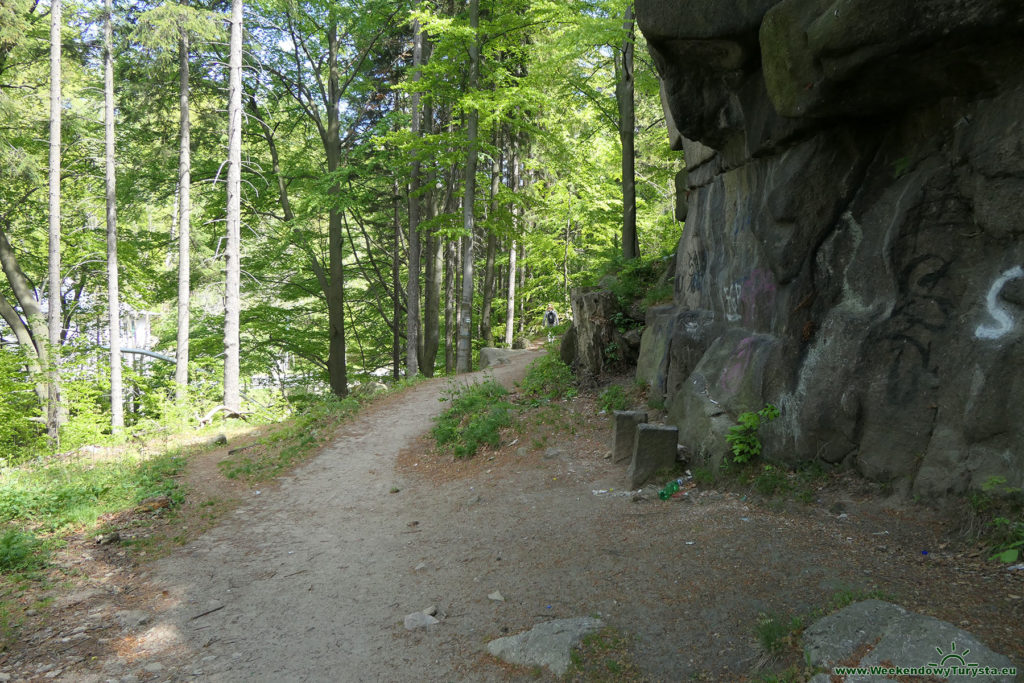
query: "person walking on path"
550, 320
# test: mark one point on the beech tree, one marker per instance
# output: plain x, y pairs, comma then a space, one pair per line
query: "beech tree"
233, 250
113, 290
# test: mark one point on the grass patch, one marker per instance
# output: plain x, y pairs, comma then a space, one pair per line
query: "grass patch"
475, 417
613, 398
55, 495
547, 379
605, 655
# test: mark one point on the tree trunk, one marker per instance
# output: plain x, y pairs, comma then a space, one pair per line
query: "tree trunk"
113, 291
521, 326
432, 296
450, 263
184, 222
232, 255
492, 247
53, 411
337, 365
464, 353
412, 334
510, 310
624, 99
396, 284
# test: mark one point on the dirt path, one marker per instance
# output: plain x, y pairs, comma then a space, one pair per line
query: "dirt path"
310, 580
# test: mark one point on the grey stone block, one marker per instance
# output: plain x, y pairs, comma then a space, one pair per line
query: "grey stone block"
625, 433
654, 449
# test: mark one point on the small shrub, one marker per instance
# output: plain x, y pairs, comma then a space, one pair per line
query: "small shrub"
476, 414
20, 551
742, 437
771, 480
776, 633
547, 379
613, 398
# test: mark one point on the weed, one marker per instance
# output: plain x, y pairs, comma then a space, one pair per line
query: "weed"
771, 480
613, 398
547, 379
604, 655
742, 437
703, 476
474, 418
20, 552
775, 633
655, 403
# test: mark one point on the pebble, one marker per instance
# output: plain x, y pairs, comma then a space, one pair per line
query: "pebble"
154, 667
419, 620
496, 596
420, 567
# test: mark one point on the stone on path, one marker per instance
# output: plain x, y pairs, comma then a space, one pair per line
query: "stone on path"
654, 449
548, 644
880, 632
626, 422
496, 596
419, 620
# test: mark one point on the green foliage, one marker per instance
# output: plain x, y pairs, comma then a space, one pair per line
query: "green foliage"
20, 551
1007, 538
57, 494
613, 398
776, 633
547, 379
20, 438
474, 418
742, 437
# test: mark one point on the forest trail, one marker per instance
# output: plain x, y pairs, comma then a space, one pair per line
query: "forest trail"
310, 581
311, 578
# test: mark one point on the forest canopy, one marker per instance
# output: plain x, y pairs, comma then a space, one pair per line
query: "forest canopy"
393, 185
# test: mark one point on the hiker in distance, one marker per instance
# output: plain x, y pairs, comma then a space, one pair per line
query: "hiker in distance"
550, 320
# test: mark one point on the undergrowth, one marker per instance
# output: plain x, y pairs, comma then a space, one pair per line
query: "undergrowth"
547, 379
475, 416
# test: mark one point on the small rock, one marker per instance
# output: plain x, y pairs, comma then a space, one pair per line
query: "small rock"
420, 567
4, 677
496, 596
553, 452
432, 610
522, 451
419, 620
130, 618
154, 667
28, 613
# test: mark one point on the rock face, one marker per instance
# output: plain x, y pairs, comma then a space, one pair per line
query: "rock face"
852, 249
874, 632
600, 346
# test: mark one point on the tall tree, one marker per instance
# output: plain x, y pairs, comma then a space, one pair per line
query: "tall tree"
412, 331
464, 350
113, 290
53, 412
627, 122
233, 250
184, 218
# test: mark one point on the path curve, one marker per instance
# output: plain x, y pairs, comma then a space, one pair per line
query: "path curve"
310, 581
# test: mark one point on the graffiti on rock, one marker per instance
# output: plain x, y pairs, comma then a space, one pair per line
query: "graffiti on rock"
1003, 321
732, 376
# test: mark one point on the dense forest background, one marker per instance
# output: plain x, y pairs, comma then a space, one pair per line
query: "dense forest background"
207, 205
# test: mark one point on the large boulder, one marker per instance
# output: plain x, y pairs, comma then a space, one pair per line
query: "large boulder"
852, 250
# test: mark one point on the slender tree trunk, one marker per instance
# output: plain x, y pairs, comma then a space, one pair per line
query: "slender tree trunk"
432, 296
232, 296
337, 364
412, 334
451, 264
113, 290
396, 284
34, 332
521, 326
627, 122
492, 247
184, 222
510, 310
53, 411
464, 353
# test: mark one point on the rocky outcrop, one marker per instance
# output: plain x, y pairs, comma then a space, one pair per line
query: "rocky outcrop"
601, 335
852, 247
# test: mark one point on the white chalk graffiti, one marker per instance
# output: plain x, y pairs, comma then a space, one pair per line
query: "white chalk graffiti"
1004, 323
